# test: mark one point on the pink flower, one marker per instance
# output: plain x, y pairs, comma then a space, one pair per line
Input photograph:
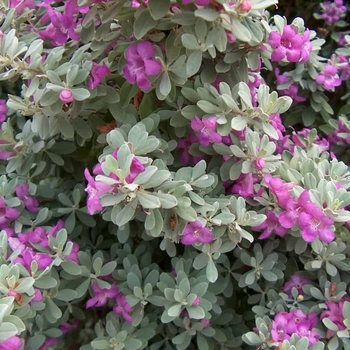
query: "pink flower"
195, 232
335, 314
196, 301
7, 214
295, 282
3, 110
12, 343
122, 308
101, 295
30, 202
290, 44
279, 188
20, 5
93, 201
140, 64
313, 223
98, 72
66, 96
206, 129
329, 78
186, 144
245, 6
270, 225
28, 255
332, 11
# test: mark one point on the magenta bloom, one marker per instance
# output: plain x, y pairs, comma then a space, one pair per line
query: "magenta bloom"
335, 314
20, 5
141, 64
28, 255
244, 185
7, 214
186, 144
291, 45
270, 225
285, 324
122, 308
98, 72
329, 78
68, 327
30, 202
93, 201
313, 223
101, 295
332, 11
206, 129
295, 282
279, 188
12, 343
195, 232
3, 110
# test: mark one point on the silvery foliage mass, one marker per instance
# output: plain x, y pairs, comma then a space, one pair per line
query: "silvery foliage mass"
138, 247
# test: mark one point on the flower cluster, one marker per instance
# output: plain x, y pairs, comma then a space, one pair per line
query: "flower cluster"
102, 295
332, 11
290, 45
285, 324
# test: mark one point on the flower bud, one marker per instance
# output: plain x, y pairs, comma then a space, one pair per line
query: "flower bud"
66, 96
245, 6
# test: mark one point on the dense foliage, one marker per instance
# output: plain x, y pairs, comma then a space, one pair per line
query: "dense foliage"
174, 175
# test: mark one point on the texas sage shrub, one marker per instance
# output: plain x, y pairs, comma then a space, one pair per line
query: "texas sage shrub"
174, 175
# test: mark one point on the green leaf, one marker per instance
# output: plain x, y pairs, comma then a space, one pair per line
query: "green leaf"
65, 128
158, 9
194, 62
126, 214
71, 267
80, 94
45, 282
143, 23
164, 84
211, 271
7, 330
174, 311
148, 201
190, 42
207, 14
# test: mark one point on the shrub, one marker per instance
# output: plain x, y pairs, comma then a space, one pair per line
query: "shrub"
174, 175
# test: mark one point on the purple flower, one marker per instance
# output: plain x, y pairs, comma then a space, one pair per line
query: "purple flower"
98, 72
186, 144
30, 202
12, 343
3, 110
195, 232
335, 314
7, 214
68, 327
270, 225
290, 44
93, 201
279, 188
28, 255
244, 185
313, 223
293, 209
101, 295
329, 78
278, 331
295, 282
20, 5
141, 64
332, 11
122, 308
206, 129
286, 324
291, 90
